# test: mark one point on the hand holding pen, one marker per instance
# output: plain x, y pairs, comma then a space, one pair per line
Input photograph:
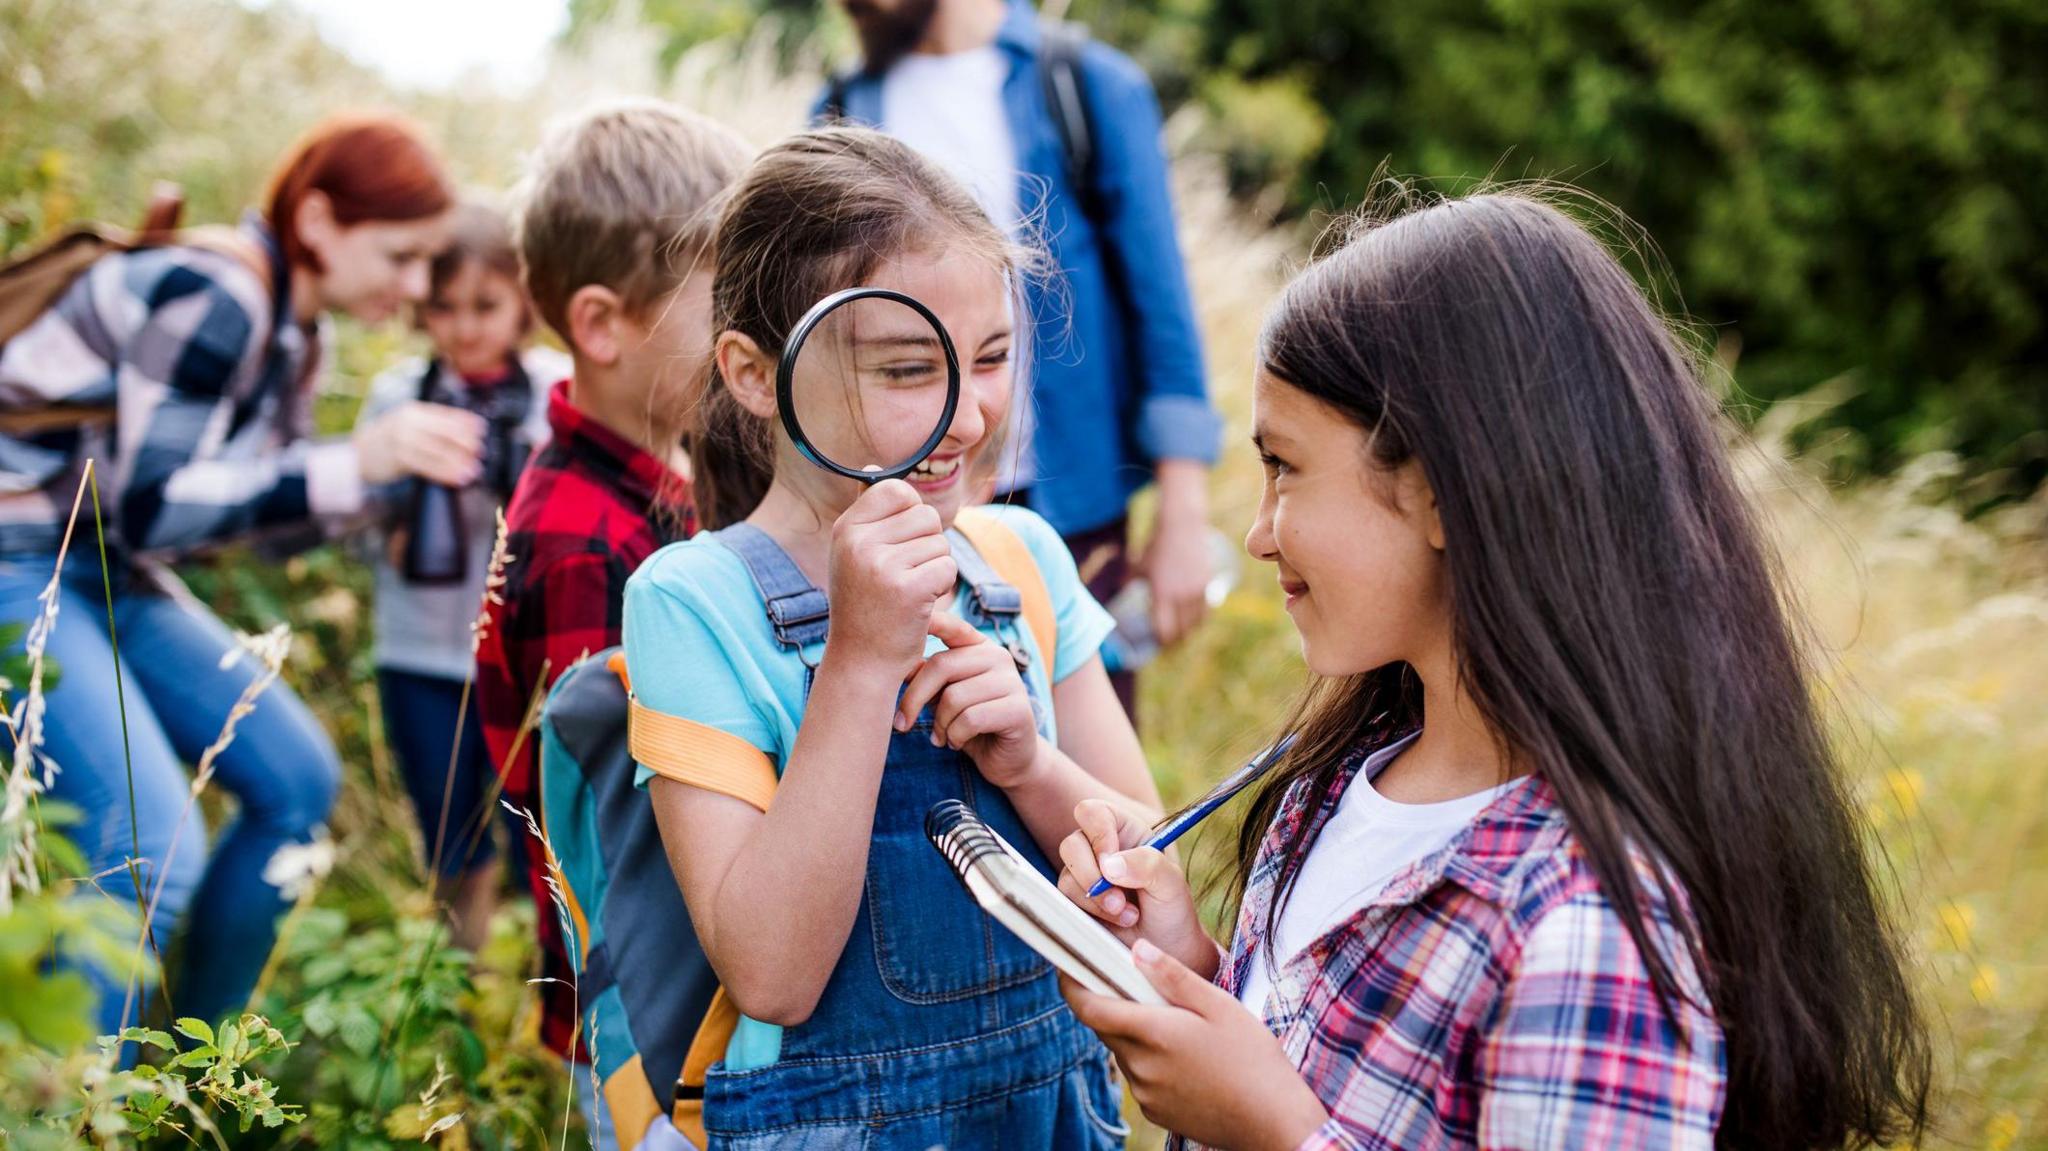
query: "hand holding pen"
1138, 891
1223, 792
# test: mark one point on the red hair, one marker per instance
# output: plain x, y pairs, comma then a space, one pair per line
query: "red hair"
370, 166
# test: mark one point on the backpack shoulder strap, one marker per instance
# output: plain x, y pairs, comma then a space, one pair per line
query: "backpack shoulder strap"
698, 754
834, 108
1006, 552
1061, 43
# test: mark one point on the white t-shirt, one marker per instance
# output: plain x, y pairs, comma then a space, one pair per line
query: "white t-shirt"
950, 108
1368, 840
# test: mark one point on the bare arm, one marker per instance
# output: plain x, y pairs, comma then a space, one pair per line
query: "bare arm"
773, 895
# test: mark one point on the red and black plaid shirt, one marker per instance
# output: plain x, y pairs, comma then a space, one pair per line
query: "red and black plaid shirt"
587, 510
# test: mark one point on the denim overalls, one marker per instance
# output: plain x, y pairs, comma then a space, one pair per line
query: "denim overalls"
937, 1028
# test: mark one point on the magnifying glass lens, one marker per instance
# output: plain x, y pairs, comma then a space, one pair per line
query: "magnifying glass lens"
870, 386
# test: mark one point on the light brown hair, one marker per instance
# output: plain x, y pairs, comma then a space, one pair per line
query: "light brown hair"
816, 213
626, 197
478, 233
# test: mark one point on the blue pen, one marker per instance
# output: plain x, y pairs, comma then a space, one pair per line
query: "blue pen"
1215, 799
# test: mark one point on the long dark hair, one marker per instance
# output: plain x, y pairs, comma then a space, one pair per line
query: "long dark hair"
817, 212
1617, 619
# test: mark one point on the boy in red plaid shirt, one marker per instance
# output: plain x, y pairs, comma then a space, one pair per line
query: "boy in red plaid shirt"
614, 218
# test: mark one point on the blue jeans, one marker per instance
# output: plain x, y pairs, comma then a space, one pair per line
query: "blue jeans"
281, 767
421, 714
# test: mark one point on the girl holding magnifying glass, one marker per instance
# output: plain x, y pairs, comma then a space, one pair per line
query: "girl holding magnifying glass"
877, 1007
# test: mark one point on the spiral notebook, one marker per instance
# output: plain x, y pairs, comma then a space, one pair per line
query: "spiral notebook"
1018, 897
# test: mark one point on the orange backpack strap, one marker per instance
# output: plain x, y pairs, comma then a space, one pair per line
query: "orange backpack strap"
1006, 552
698, 754
714, 1035
702, 756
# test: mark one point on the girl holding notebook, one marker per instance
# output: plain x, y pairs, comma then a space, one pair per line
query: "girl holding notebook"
876, 1007
1558, 855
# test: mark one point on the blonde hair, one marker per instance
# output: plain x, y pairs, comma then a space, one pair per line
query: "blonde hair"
624, 196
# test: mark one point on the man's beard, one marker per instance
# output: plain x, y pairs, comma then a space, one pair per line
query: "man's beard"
887, 36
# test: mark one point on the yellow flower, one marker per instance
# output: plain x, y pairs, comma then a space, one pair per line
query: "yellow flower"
1905, 784
1985, 985
1957, 920
2002, 1131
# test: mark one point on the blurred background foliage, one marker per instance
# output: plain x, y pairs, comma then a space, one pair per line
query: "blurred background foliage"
1846, 189
1849, 194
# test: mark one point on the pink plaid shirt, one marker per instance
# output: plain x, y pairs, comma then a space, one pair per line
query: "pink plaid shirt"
1489, 997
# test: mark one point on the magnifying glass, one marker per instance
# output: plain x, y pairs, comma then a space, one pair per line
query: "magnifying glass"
868, 384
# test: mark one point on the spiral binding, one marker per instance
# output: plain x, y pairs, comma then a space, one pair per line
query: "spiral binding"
959, 834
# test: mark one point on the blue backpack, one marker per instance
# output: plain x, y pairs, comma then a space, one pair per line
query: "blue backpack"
643, 982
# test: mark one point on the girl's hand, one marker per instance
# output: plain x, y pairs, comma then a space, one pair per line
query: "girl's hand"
983, 707
1151, 900
1202, 1066
890, 566
438, 443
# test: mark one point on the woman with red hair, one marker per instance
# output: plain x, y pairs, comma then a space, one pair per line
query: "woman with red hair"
206, 357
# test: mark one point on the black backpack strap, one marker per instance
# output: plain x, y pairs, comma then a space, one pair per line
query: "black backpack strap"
834, 108
1061, 43
425, 393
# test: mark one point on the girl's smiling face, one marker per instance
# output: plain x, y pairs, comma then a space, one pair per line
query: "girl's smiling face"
899, 368
1358, 548
476, 319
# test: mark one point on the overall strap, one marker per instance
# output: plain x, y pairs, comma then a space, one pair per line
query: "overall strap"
796, 608
998, 601
999, 604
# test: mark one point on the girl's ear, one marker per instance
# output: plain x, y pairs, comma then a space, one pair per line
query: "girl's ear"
748, 372
594, 313
1416, 499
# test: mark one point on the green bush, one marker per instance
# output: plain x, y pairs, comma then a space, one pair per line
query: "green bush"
1842, 189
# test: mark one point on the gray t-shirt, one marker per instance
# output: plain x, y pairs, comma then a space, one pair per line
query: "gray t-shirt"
425, 628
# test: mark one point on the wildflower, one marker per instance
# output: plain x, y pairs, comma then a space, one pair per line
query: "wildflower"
1956, 921
294, 868
1984, 985
494, 581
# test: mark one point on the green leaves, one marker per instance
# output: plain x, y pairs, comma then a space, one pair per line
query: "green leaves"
44, 1000
195, 1029
190, 1092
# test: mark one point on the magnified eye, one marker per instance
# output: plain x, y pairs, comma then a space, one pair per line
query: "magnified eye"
904, 372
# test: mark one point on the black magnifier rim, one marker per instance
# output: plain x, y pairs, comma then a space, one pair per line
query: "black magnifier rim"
785, 383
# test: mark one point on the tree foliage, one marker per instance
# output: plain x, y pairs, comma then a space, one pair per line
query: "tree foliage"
1847, 191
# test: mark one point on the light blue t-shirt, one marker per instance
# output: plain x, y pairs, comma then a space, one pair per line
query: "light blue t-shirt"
699, 646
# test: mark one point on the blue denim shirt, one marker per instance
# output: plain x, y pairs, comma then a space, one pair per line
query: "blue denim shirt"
1118, 380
